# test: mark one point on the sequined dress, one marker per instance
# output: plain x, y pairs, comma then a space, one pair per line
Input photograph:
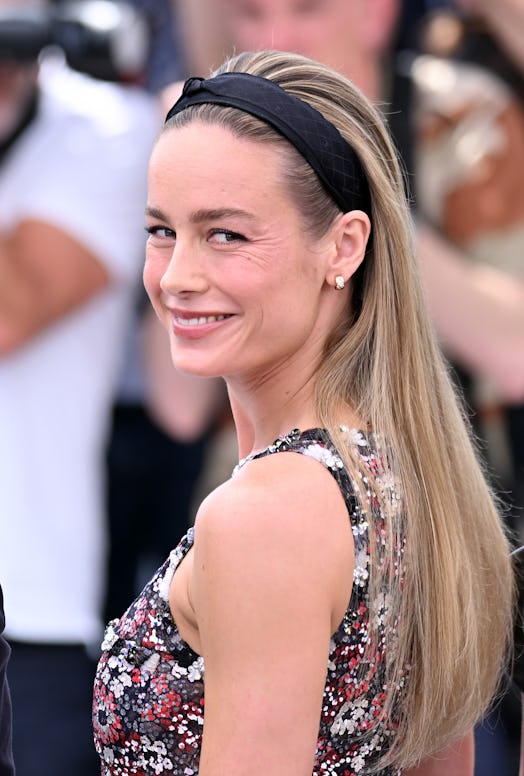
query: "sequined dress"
148, 707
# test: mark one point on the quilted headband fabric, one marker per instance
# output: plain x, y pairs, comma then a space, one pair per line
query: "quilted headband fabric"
316, 138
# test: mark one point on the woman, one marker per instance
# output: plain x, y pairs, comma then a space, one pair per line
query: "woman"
347, 606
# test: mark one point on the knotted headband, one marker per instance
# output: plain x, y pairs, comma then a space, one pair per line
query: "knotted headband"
317, 139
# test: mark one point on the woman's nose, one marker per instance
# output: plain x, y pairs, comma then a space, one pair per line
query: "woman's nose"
184, 273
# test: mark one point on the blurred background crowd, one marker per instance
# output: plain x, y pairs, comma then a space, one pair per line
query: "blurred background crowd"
105, 450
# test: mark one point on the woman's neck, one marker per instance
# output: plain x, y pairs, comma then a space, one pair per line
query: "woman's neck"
263, 415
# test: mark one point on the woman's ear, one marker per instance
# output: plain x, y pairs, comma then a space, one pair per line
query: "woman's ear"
351, 234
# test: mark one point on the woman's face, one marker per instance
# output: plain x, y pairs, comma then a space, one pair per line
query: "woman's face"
320, 29
236, 279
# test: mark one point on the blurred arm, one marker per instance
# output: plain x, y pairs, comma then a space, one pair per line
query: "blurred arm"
456, 760
478, 313
506, 18
44, 275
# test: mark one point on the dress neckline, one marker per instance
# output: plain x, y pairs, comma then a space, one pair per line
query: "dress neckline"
360, 438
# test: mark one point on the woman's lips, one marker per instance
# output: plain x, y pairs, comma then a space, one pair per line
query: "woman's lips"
195, 325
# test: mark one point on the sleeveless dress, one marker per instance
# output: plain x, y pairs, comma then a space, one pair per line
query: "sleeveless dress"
148, 708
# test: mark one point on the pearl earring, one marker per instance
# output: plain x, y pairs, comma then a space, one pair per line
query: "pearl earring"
339, 282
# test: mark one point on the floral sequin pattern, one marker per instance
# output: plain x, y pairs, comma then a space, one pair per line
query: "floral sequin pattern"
354, 731
148, 706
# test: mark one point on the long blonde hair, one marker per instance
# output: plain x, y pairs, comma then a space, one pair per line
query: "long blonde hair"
452, 604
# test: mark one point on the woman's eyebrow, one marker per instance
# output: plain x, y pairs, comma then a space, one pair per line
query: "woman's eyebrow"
154, 212
204, 214
200, 216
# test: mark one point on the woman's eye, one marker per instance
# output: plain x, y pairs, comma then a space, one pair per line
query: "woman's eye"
160, 231
224, 236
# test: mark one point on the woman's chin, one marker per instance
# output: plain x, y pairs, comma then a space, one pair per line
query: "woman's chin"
194, 367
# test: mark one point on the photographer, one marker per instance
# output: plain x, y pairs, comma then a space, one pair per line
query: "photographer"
73, 155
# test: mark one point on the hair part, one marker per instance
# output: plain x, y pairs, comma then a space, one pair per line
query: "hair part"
452, 603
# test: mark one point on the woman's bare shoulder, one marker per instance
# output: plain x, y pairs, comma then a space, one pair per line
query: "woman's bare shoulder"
283, 491
267, 571
282, 515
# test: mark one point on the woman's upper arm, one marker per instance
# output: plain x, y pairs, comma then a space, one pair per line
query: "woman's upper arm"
458, 759
265, 570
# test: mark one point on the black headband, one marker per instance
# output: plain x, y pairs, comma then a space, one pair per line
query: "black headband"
316, 138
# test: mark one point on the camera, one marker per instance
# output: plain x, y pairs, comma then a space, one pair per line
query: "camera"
108, 39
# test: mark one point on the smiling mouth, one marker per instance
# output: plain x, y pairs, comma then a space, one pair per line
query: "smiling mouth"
200, 320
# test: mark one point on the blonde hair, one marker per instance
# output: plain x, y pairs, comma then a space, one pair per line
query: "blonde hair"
452, 602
